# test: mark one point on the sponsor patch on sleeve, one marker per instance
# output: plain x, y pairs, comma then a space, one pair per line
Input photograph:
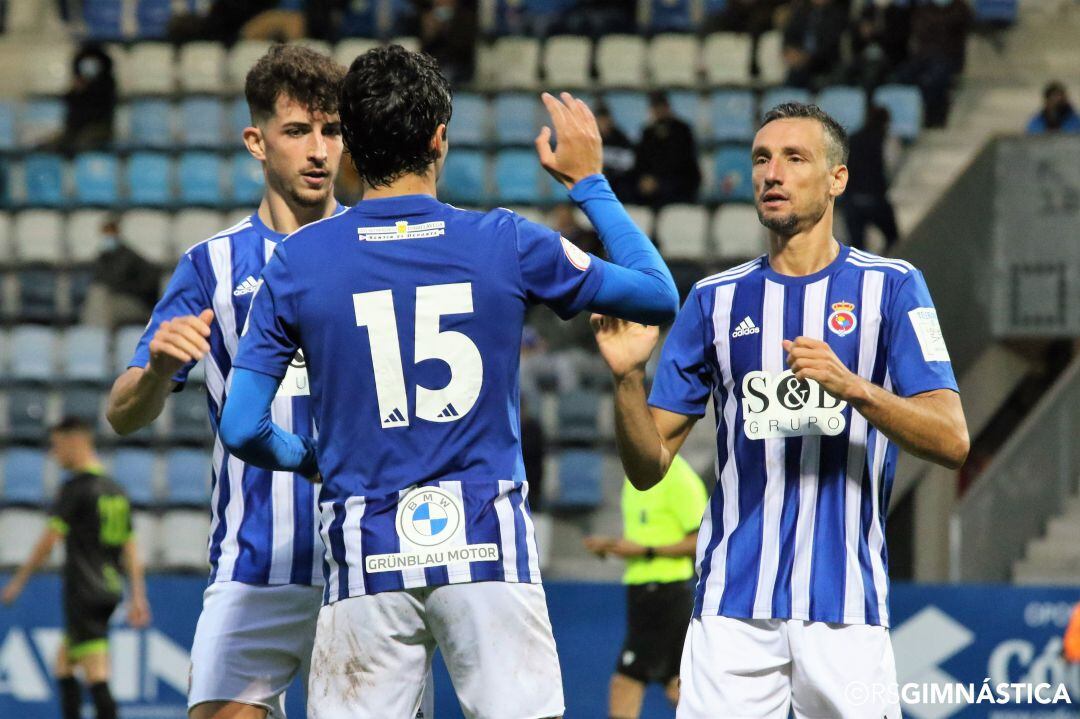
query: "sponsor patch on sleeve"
578, 258
925, 322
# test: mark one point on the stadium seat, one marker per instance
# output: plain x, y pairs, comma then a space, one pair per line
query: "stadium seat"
846, 104
201, 66
151, 124
199, 175
188, 420
124, 343
27, 414
24, 477
996, 12
135, 470
726, 58
683, 231
83, 233
517, 177
33, 354
37, 292
580, 487
469, 125
104, 19
146, 526
770, 58
185, 549
673, 60
202, 122
630, 110
16, 525
50, 72
620, 61
566, 61
732, 172
737, 232
351, 48
40, 120
189, 227
96, 181
149, 180
78, 286
39, 237
905, 106
464, 178
8, 137
43, 180
780, 95
86, 403
7, 239
148, 70
148, 233
246, 179
671, 16
237, 119
516, 118
187, 477
578, 416
84, 357
152, 18
686, 104
517, 63
242, 56
732, 115
643, 217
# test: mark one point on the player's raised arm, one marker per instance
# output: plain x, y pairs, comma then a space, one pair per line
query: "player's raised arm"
636, 285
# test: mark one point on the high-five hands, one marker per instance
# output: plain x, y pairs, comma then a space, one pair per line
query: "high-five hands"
179, 341
580, 151
814, 359
625, 346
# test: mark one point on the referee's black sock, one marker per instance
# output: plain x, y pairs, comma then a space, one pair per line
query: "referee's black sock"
70, 697
103, 700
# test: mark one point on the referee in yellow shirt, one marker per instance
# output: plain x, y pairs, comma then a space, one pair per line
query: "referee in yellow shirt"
659, 541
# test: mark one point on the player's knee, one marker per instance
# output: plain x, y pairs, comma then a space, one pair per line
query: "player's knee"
226, 710
672, 691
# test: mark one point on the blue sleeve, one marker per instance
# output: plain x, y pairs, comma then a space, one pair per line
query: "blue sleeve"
247, 432
637, 284
1036, 126
269, 339
185, 295
684, 379
554, 271
917, 357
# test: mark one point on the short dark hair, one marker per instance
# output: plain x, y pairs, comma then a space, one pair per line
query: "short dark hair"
391, 102
835, 134
297, 72
71, 423
1053, 87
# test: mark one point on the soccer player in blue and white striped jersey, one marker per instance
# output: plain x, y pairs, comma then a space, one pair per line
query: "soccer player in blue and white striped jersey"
820, 361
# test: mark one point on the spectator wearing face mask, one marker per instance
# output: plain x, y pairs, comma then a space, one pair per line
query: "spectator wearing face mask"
1057, 113
90, 102
124, 284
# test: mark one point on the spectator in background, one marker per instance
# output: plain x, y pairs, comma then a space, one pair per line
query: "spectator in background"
753, 17
533, 453
124, 285
598, 17
812, 38
1057, 114
448, 32
618, 154
866, 201
563, 221
666, 165
939, 32
879, 42
90, 103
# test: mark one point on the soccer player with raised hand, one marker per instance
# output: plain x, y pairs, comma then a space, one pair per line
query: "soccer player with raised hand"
821, 361
410, 313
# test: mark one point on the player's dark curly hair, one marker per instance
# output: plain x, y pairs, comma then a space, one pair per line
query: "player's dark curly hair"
301, 74
391, 102
835, 133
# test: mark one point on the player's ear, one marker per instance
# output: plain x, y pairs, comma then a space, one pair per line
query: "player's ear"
838, 179
439, 140
255, 143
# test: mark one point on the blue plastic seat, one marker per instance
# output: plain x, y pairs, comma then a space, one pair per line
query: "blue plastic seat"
520, 17
96, 179
32, 354
580, 480
779, 95
732, 115
516, 118
517, 178
630, 110
578, 415
905, 106
670, 16
84, 403
996, 11
469, 126
361, 20
202, 122
199, 175
24, 471
732, 175
8, 138
149, 179
151, 124
152, 18
464, 178
187, 476
85, 355
189, 416
685, 104
103, 19
846, 104
44, 180
37, 294
247, 179
239, 119
133, 469
40, 119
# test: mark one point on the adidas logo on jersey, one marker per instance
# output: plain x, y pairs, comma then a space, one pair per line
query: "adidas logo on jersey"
247, 286
746, 327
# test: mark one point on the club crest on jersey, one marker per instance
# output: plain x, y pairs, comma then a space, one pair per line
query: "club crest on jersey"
783, 405
842, 321
578, 257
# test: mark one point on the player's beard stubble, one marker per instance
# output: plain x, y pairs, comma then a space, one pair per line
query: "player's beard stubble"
792, 223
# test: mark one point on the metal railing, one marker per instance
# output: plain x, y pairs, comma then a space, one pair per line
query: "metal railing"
1023, 488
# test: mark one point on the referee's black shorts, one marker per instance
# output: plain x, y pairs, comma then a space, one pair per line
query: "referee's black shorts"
87, 623
657, 615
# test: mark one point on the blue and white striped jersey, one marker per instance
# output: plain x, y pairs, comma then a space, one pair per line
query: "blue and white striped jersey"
795, 528
264, 525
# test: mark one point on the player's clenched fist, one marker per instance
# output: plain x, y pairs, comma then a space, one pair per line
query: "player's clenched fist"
579, 151
179, 341
625, 346
814, 359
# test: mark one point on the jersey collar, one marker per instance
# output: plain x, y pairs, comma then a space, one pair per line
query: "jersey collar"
829, 269
265, 231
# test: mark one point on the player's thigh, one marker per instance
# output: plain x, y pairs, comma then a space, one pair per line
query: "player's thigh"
250, 643
842, 671
95, 667
735, 668
372, 658
63, 664
499, 649
227, 710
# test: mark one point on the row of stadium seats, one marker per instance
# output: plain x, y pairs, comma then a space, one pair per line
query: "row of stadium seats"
36, 354
507, 118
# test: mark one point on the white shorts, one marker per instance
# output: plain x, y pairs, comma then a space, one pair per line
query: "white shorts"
759, 668
372, 652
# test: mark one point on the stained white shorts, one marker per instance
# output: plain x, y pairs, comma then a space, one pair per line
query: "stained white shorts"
761, 668
372, 653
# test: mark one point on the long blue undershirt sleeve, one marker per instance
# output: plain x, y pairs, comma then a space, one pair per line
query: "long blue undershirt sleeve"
636, 283
247, 432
